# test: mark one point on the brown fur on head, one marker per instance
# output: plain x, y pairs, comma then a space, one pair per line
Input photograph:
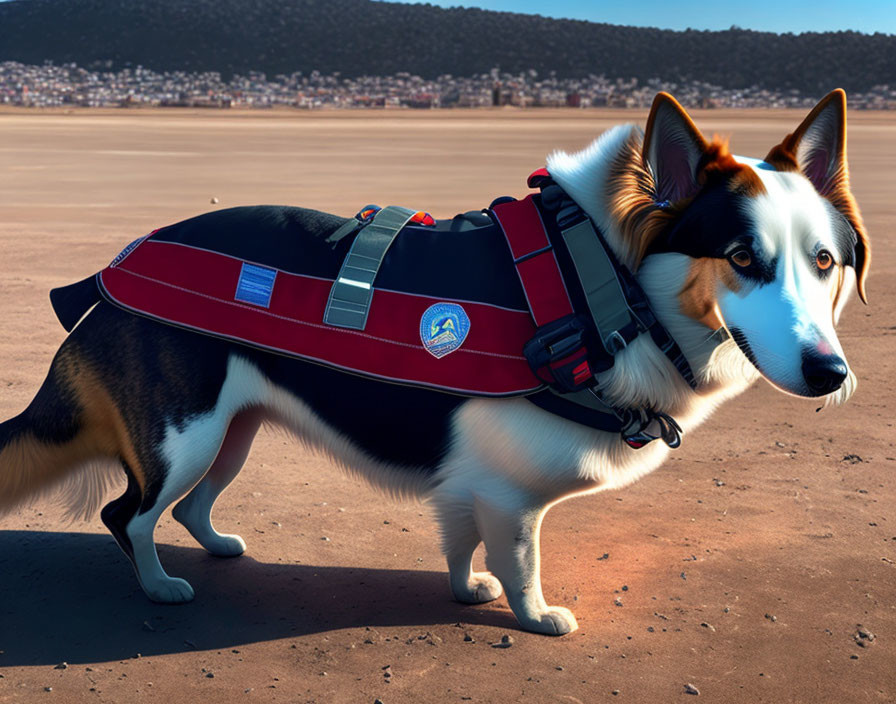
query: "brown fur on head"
644, 198
828, 172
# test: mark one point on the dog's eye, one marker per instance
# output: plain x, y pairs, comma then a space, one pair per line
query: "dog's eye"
824, 260
741, 258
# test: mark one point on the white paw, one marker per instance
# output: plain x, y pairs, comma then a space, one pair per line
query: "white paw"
225, 545
481, 588
554, 621
171, 590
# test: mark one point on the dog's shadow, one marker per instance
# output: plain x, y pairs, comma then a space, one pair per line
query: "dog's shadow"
72, 597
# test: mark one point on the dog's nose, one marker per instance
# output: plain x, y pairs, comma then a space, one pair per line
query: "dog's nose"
823, 373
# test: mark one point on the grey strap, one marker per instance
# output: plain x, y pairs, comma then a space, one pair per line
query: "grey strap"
345, 229
606, 300
352, 292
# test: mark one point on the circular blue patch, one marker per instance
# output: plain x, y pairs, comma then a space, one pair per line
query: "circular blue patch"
443, 328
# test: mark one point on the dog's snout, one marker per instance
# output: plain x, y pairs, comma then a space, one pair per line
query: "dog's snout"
824, 374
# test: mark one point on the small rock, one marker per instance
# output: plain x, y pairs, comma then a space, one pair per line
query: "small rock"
61, 666
650, 629
325, 539
468, 638
560, 668
213, 201
48, 689
604, 556
625, 587
209, 674
615, 692
853, 657
377, 701
864, 633
506, 642
617, 601
709, 626
691, 689
683, 576
852, 459
147, 626
771, 618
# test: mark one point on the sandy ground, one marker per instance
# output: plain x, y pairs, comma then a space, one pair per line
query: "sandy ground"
743, 566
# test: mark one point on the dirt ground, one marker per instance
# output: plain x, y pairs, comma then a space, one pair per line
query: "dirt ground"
743, 567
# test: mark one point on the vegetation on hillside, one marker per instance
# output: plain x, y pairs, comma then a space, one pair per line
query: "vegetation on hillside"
360, 37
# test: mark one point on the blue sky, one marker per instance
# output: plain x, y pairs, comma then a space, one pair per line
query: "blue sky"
766, 15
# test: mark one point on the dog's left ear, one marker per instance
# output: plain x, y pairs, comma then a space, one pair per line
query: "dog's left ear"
818, 150
673, 149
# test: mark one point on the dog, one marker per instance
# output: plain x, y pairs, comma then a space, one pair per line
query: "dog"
768, 250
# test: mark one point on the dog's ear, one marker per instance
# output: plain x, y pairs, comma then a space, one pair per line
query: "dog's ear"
818, 150
673, 149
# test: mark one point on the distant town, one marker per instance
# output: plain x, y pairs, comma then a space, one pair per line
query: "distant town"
52, 86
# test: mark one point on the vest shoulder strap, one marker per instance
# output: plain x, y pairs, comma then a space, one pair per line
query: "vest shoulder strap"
352, 292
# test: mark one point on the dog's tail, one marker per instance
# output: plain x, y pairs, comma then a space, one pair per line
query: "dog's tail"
63, 441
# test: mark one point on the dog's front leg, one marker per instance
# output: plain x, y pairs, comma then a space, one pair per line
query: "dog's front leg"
511, 543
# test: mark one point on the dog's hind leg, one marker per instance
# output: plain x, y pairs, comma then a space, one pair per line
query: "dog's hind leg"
511, 542
163, 475
195, 509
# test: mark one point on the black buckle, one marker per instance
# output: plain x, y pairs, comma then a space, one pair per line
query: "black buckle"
557, 354
636, 437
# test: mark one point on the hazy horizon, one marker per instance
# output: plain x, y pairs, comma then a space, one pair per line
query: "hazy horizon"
867, 16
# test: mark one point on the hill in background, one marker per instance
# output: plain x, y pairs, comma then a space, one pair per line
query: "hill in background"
359, 37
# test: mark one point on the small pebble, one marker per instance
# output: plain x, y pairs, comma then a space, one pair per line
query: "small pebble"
771, 618
468, 638
61, 666
48, 689
709, 626
615, 692
617, 601
213, 201
861, 632
506, 642
691, 689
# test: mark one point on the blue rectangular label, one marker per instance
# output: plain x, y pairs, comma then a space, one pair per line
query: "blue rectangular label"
256, 285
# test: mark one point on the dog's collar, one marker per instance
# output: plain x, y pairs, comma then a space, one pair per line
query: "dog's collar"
588, 307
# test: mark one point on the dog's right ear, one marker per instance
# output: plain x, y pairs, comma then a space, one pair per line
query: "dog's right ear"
673, 149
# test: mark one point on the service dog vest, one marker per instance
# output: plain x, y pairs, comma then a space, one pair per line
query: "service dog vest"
500, 302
